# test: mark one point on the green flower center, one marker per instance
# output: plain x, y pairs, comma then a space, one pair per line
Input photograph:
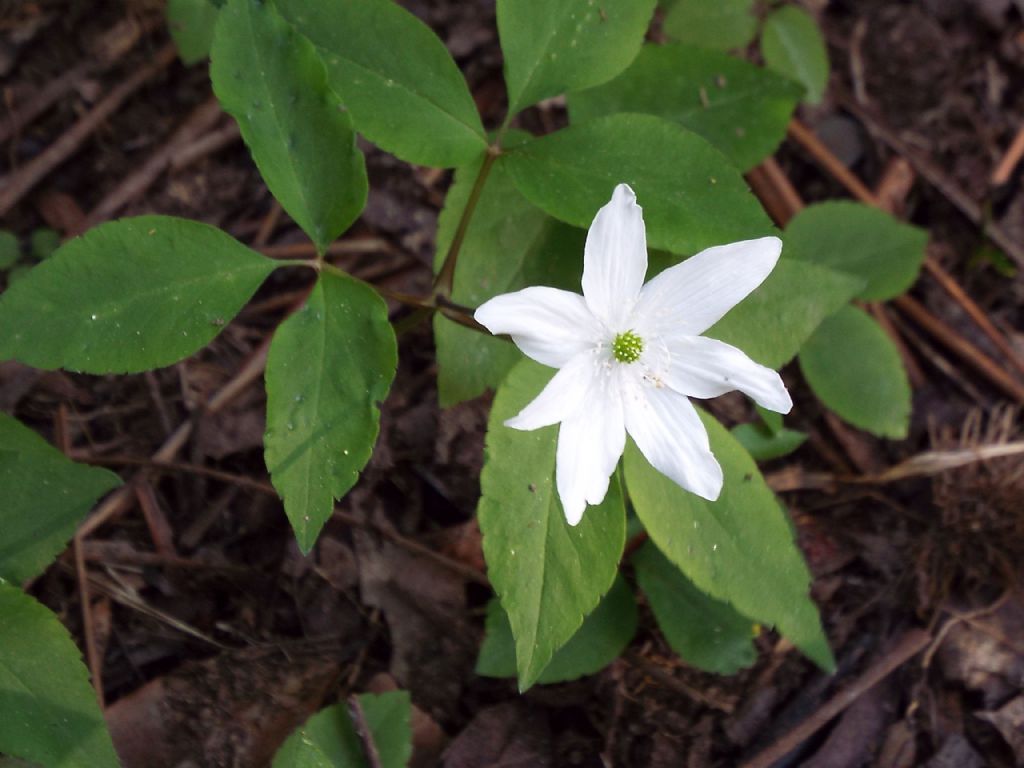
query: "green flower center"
627, 347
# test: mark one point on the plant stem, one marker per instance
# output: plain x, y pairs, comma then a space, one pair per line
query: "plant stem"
445, 278
459, 314
423, 306
439, 299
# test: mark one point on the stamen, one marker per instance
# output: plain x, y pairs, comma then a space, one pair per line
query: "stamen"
627, 347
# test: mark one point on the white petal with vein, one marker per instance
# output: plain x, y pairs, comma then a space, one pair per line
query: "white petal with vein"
666, 429
703, 367
589, 446
562, 397
692, 296
547, 324
615, 258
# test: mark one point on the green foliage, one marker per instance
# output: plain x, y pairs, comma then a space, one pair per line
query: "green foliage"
738, 549
270, 79
850, 363
763, 444
549, 575
10, 250
50, 714
768, 439
678, 123
721, 24
16, 273
45, 496
692, 196
329, 740
128, 296
855, 369
772, 420
554, 46
330, 365
741, 109
792, 44
191, 23
534, 249
772, 324
44, 243
395, 78
705, 632
988, 255
604, 635
861, 241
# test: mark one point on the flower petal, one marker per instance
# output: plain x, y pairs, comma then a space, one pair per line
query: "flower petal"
667, 430
563, 396
692, 296
589, 446
703, 367
615, 258
547, 324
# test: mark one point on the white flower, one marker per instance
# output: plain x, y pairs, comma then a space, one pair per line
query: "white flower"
629, 355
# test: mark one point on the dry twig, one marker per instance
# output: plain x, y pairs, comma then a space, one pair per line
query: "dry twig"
912, 643
926, 464
363, 731
197, 123
42, 100
1013, 156
14, 186
111, 46
208, 144
963, 348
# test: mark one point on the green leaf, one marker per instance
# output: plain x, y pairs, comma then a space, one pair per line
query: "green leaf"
859, 240
270, 79
855, 369
988, 255
299, 752
50, 711
191, 23
692, 196
128, 296
44, 243
772, 420
721, 24
738, 549
792, 44
554, 46
45, 496
741, 109
705, 632
548, 574
508, 245
10, 250
772, 323
328, 739
330, 365
395, 77
16, 273
596, 644
764, 445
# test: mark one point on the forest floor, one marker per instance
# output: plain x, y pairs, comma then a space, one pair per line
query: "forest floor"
213, 636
